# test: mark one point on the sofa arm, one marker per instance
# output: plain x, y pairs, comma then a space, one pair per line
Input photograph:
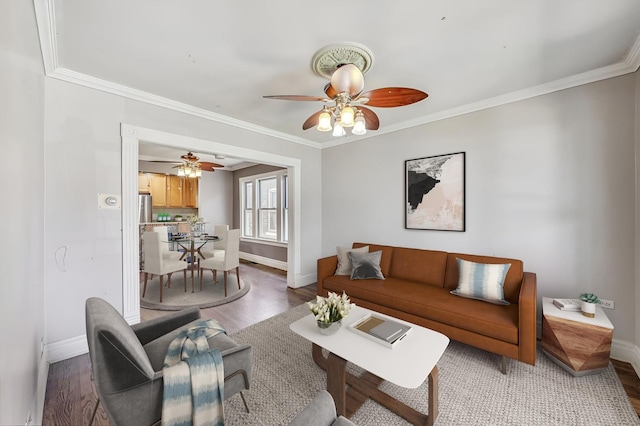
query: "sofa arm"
326, 267
152, 329
527, 318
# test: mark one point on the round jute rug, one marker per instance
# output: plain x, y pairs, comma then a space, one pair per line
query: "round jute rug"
175, 298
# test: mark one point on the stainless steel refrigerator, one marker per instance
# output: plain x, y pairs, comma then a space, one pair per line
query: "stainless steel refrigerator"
144, 207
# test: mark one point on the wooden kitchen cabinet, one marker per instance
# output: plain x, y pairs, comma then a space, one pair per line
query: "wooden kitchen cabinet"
144, 182
158, 189
175, 191
169, 190
191, 192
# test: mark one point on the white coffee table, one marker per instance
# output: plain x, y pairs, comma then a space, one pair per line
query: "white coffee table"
408, 364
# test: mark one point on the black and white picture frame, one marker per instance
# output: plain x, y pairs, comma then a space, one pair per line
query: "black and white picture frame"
435, 192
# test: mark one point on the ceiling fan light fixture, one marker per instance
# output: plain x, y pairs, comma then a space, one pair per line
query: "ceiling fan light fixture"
198, 173
338, 130
348, 78
346, 116
181, 171
360, 125
187, 170
324, 121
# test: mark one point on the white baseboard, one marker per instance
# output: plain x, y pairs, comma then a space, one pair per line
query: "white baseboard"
302, 280
278, 264
622, 350
65, 349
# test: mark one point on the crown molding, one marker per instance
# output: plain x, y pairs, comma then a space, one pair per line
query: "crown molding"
633, 57
45, 17
46, 22
139, 95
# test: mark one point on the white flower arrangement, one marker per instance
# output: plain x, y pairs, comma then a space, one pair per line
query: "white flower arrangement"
193, 219
332, 308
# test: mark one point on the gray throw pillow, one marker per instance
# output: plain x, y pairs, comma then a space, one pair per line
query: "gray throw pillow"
344, 264
366, 265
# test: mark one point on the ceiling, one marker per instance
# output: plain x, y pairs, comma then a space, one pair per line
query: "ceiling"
218, 58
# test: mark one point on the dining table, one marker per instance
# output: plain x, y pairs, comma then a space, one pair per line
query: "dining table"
191, 246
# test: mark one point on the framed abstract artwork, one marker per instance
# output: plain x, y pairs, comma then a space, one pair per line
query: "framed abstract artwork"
434, 193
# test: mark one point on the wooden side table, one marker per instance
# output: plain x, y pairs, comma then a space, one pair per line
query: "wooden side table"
579, 344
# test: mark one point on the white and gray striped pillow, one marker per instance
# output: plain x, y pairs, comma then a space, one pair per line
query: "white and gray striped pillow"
482, 281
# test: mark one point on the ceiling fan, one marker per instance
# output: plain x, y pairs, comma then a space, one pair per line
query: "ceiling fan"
190, 166
346, 102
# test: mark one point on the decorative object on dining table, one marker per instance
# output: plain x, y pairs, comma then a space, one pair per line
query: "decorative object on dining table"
329, 311
193, 221
588, 305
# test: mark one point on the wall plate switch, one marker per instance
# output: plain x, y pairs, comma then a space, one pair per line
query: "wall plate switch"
606, 303
109, 201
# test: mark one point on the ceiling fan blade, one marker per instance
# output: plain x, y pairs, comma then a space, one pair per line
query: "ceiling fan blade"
209, 167
297, 98
371, 118
163, 161
312, 121
389, 97
330, 91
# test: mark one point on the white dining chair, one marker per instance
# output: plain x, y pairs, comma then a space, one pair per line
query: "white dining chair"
164, 236
217, 246
225, 261
155, 264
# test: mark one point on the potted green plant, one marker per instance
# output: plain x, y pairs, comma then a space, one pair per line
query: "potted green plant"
178, 218
588, 304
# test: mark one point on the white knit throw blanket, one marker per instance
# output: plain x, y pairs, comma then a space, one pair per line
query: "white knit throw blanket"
193, 378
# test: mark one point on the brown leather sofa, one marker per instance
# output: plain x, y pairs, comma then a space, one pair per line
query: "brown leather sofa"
417, 288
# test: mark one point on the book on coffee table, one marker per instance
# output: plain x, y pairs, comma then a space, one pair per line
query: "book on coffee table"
382, 330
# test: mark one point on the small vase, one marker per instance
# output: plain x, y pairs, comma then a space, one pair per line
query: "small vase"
329, 328
588, 309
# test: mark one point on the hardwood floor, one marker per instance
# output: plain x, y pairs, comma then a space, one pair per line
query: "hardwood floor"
70, 399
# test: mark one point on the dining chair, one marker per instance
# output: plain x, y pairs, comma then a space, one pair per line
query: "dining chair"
155, 264
164, 236
225, 261
218, 246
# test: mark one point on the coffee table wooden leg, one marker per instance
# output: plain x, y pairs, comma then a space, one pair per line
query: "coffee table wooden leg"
336, 376
433, 396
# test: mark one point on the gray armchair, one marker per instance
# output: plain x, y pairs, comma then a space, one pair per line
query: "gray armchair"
321, 411
126, 361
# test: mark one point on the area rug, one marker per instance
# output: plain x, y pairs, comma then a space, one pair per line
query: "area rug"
175, 298
472, 389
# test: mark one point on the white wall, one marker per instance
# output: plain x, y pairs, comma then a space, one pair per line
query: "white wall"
22, 369
215, 200
549, 180
82, 146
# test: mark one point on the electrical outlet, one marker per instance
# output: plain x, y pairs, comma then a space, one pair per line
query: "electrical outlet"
606, 303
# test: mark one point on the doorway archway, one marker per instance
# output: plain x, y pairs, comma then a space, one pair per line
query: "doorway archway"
131, 136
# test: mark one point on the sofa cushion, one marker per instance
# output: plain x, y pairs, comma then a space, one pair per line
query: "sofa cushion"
344, 263
366, 265
512, 280
481, 281
387, 254
437, 304
423, 266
